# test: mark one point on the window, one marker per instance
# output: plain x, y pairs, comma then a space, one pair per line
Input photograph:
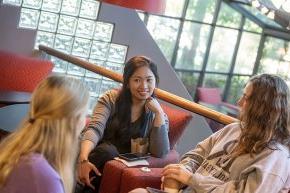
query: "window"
216, 44
222, 49
274, 58
164, 31
72, 26
174, 8
247, 53
251, 26
189, 80
236, 89
209, 42
228, 17
192, 46
201, 10
215, 81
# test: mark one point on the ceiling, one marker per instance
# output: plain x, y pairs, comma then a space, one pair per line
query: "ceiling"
271, 15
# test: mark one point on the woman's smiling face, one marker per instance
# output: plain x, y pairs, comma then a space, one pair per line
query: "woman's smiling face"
142, 84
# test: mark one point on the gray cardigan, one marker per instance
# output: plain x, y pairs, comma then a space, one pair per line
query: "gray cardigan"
158, 137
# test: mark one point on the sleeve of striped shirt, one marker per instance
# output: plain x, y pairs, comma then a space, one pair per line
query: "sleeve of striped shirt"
102, 111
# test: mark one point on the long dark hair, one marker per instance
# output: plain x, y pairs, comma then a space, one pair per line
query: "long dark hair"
266, 118
122, 115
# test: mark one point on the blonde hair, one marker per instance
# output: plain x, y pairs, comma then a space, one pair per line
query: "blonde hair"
56, 107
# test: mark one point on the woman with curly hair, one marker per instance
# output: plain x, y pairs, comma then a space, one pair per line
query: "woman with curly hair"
249, 156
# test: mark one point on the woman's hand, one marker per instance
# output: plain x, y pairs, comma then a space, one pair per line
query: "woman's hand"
84, 169
177, 172
153, 105
170, 183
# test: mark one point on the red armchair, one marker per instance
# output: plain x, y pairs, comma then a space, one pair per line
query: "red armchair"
116, 176
19, 75
212, 96
22, 73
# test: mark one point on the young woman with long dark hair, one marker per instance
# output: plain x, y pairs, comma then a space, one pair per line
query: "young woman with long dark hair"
123, 119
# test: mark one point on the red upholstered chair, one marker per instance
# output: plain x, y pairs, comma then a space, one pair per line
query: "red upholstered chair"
22, 73
115, 178
209, 95
212, 96
135, 178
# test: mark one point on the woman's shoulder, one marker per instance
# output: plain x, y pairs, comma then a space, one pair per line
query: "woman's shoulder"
279, 151
35, 174
274, 160
232, 130
231, 126
36, 166
276, 156
113, 92
40, 165
110, 95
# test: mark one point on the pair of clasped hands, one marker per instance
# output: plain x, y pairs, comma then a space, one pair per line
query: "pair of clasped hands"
175, 177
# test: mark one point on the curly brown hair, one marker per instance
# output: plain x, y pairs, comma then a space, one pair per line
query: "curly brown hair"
265, 120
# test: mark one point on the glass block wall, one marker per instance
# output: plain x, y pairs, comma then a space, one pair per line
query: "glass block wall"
72, 26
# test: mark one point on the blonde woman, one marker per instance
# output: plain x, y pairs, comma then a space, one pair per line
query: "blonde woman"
40, 156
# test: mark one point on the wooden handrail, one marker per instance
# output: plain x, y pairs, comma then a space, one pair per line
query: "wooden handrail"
161, 94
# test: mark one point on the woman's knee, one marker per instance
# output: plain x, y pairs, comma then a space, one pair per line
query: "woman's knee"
108, 149
103, 153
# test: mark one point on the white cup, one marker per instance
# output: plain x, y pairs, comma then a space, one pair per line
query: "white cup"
139, 145
171, 186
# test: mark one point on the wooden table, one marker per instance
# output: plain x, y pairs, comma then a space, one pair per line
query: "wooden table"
14, 97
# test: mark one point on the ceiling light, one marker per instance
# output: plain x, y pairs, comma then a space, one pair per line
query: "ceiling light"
271, 14
256, 3
264, 10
